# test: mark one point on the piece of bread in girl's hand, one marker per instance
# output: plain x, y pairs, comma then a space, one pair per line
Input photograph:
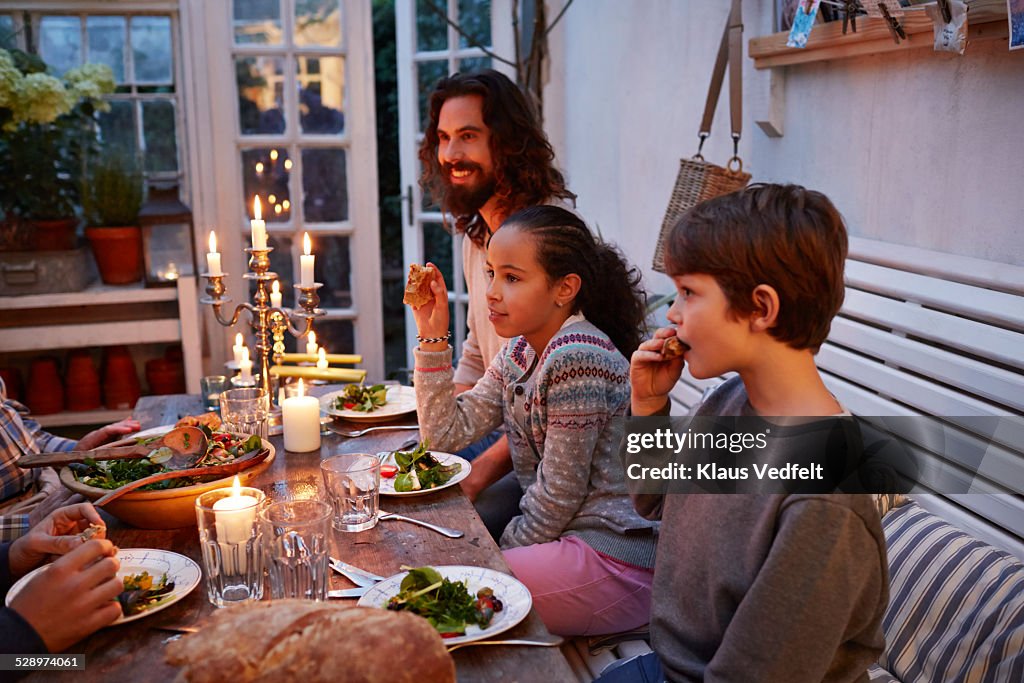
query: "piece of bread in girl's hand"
673, 348
312, 642
417, 288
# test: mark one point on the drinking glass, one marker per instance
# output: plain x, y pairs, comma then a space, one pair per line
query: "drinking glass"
245, 411
230, 541
296, 545
211, 387
352, 481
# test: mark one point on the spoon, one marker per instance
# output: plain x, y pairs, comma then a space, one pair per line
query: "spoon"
188, 443
536, 643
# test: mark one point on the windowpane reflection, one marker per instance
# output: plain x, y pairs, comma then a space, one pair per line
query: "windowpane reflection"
260, 83
337, 336
60, 42
437, 248
324, 185
265, 172
317, 22
322, 94
151, 49
257, 22
333, 267
106, 36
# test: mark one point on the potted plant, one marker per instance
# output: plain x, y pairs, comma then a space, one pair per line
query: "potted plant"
46, 126
111, 199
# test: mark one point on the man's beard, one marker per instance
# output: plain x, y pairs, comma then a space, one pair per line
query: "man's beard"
466, 199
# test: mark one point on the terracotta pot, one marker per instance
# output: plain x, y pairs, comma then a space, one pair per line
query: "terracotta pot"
45, 393
55, 235
118, 253
165, 376
16, 234
82, 382
12, 383
121, 387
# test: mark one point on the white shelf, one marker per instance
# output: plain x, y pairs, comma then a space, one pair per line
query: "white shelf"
42, 337
82, 417
94, 295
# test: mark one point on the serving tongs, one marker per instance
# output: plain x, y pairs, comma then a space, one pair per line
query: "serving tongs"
245, 462
188, 443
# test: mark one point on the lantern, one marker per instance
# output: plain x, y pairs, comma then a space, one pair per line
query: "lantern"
166, 237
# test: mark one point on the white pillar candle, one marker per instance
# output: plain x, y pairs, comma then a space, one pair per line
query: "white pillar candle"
259, 227
300, 416
311, 343
213, 258
245, 365
275, 295
234, 517
237, 348
306, 263
321, 362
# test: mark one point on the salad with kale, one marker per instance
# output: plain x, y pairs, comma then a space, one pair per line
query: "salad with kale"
419, 469
447, 605
142, 591
362, 399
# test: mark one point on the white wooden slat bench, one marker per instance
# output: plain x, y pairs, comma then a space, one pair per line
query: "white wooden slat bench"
939, 338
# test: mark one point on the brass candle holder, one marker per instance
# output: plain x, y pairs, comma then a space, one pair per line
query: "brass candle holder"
265, 320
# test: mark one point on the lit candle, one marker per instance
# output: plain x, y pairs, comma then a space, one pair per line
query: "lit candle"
300, 416
321, 362
259, 227
245, 365
306, 263
311, 343
213, 258
234, 517
238, 348
275, 295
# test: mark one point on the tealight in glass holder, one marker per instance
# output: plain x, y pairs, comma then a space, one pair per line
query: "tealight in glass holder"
229, 536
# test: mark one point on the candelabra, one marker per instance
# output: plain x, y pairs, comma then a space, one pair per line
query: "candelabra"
263, 319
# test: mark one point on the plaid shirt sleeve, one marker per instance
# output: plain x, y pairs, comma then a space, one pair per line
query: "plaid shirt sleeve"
12, 527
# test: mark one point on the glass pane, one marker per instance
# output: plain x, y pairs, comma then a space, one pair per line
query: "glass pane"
257, 21
475, 20
324, 185
427, 75
117, 127
321, 94
337, 336
427, 202
106, 43
151, 49
60, 42
474, 63
317, 22
437, 248
7, 38
265, 172
280, 263
431, 28
333, 267
158, 131
260, 92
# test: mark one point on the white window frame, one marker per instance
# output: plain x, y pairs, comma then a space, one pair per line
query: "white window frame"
409, 137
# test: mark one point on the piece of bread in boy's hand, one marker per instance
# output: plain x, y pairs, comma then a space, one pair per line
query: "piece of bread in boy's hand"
91, 531
417, 288
673, 348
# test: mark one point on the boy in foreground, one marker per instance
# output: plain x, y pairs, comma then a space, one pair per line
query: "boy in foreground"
757, 587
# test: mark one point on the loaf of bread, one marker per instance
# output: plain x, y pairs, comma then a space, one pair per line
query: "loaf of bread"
312, 642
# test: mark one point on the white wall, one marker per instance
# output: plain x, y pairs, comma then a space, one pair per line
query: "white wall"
914, 147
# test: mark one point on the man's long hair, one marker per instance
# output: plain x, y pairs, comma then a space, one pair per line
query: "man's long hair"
523, 159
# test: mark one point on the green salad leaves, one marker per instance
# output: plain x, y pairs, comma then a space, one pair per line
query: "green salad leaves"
362, 399
447, 605
418, 470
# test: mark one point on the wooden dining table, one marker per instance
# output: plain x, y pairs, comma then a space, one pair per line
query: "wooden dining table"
135, 651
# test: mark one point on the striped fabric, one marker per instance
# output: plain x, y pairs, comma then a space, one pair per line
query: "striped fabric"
879, 675
956, 606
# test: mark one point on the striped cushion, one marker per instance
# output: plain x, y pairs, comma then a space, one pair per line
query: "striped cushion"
879, 675
956, 604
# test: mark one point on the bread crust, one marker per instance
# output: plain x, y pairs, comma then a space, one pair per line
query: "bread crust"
673, 348
417, 287
312, 642
211, 420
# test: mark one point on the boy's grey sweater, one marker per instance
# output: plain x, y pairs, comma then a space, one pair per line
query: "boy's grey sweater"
766, 587
557, 411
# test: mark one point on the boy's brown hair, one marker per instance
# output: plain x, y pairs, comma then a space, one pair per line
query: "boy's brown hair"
785, 236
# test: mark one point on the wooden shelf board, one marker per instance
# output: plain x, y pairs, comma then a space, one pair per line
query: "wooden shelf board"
82, 417
95, 334
986, 20
96, 294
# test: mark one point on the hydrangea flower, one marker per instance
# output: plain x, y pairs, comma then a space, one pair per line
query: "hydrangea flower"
91, 82
40, 98
9, 79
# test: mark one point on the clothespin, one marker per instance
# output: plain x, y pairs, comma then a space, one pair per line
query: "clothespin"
947, 13
894, 25
850, 8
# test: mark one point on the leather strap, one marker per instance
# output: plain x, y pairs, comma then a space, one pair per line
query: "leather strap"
730, 52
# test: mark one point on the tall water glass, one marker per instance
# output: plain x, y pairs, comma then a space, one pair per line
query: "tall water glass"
352, 481
245, 411
229, 537
296, 544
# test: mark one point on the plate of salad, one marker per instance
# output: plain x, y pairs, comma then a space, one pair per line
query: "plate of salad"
152, 580
463, 603
420, 471
369, 403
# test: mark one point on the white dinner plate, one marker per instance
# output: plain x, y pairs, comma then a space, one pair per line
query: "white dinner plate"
513, 594
387, 484
401, 401
181, 570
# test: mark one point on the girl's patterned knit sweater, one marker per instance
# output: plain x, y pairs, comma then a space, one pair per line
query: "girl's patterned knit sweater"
558, 412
